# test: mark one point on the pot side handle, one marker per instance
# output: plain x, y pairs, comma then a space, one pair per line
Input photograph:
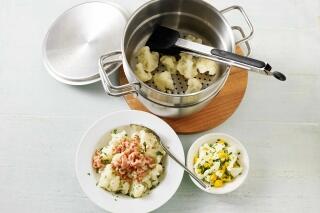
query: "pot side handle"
109, 64
244, 38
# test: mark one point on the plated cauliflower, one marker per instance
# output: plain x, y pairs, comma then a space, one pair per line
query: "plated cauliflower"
163, 81
194, 85
217, 163
131, 163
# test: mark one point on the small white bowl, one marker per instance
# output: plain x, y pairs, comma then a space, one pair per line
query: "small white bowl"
87, 178
243, 160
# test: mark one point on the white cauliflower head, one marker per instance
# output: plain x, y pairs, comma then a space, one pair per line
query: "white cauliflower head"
204, 65
186, 66
149, 60
194, 85
163, 81
170, 63
141, 74
194, 39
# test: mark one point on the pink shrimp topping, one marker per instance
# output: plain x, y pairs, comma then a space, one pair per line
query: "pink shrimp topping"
96, 160
133, 164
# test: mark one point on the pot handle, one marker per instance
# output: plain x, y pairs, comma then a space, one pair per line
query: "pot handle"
109, 64
244, 38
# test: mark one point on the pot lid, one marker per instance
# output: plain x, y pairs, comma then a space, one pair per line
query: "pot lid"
78, 38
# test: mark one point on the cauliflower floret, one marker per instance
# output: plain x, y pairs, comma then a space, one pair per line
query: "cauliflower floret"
148, 59
137, 189
163, 81
235, 171
170, 63
117, 137
194, 85
141, 74
194, 39
108, 180
186, 66
125, 186
205, 65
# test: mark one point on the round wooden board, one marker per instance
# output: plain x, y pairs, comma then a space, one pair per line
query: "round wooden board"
216, 112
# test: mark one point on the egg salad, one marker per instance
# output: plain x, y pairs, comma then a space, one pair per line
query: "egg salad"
217, 163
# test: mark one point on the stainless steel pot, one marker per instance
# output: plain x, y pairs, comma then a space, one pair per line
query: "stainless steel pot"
191, 17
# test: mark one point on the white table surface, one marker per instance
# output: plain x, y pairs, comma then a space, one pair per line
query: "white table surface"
42, 120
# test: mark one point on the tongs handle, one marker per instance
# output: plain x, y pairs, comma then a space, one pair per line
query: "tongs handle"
246, 62
229, 58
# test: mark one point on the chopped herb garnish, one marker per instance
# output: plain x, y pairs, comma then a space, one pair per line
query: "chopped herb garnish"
145, 146
159, 153
114, 131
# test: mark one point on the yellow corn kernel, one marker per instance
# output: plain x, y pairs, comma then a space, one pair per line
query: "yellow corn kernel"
213, 178
222, 154
218, 183
224, 167
221, 141
206, 165
195, 159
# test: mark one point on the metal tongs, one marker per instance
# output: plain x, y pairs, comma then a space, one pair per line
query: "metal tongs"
168, 41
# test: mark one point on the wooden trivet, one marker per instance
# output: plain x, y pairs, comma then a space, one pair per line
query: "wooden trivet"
215, 113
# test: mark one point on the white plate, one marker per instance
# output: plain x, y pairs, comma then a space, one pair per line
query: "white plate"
121, 203
243, 160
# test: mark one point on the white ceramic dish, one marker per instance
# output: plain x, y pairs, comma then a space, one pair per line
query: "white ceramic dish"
87, 177
243, 159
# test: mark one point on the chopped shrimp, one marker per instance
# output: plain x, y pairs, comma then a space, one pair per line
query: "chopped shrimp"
133, 164
96, 161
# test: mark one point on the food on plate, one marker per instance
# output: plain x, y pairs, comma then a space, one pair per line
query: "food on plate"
141, 73
217, 163
163, 81
170, 63
186, 66
149, 60
194, 85
193, 39
131, 163
204, 65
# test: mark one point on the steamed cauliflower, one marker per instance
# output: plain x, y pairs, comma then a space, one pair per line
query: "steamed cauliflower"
170, 63
204, 65
193, 39
194, 85
141, 74
148, 59
163, 81
186, 66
